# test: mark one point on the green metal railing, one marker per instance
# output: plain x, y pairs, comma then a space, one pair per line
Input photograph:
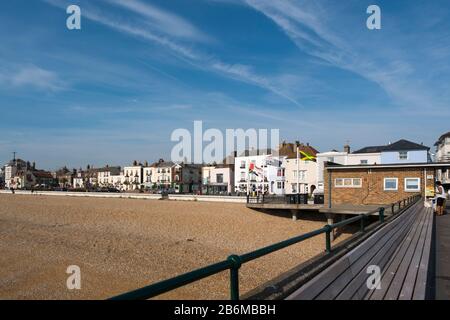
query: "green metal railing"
234, 262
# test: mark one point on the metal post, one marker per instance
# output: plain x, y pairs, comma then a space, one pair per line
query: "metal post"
328, 238
362, 223
234, 276
381, 214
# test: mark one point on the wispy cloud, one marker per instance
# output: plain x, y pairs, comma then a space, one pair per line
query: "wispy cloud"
196, 58
33, 76
164, 21
306, 24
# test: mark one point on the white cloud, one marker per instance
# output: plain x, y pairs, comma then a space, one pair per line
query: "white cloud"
164, 21
195, 58
313, 30
33, 76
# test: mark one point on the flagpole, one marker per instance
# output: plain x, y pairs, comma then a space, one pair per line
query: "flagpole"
298, 172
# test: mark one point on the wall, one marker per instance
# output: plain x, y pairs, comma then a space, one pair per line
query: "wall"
416, 156
355, 158
372, 189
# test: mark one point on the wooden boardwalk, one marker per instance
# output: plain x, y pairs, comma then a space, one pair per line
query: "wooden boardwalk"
401, 251
442, 257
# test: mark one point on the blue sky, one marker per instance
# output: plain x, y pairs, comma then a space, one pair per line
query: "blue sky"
114, 91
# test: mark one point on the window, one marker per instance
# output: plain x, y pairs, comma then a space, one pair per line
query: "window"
357, 182
330, 159
279, 184
412, 184
219, 178
348, 183
364, 162
294, 188
390, 184
403, 155
302, 175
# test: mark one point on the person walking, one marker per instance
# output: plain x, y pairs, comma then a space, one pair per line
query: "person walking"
440, 198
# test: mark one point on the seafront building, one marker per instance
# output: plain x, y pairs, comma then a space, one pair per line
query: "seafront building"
379, 184
133, 177
443, 155
399, 152
259, 172
218, 179
299, 162
24, 175
293, 168
175, 177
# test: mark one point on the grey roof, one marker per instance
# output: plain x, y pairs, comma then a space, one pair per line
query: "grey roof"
435, 165
400, 145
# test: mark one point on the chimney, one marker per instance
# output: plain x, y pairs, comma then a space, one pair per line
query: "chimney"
347, 148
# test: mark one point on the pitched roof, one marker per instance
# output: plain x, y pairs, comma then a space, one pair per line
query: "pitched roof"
400, 145
42, 174
290, 151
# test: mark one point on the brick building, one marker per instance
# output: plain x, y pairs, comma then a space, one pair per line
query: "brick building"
378, 184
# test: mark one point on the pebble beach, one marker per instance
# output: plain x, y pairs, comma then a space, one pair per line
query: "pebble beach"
124, 244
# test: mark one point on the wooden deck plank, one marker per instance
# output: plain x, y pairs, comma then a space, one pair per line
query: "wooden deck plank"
359, 268
422, 274
391, 268
407, 290
393, 292
318, 284
357, 287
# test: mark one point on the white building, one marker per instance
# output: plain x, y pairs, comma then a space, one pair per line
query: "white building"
443, 155
106, 174
133, 177
301, 178
11, 170
257, 171
217, 179
344, 158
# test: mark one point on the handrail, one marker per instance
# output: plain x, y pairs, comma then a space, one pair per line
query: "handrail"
234, 262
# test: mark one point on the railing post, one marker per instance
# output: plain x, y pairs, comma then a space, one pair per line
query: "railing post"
381, 215
328, 238
362, 222
234, 276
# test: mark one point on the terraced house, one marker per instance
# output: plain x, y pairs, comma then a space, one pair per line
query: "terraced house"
176, 177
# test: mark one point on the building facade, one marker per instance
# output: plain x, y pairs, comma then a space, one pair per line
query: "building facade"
301, 178
443, 155
378, 184
218, 179
257, 172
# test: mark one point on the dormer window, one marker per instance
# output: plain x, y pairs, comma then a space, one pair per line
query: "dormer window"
403, 155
